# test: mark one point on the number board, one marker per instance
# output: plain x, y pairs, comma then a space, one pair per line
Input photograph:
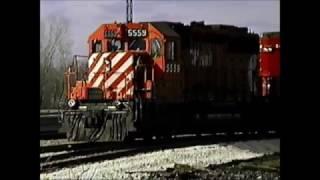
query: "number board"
173, 68
137, 32
110, 34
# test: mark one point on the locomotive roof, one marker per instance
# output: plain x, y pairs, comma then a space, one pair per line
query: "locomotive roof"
164, 27
178, 29
168, 28
271, 34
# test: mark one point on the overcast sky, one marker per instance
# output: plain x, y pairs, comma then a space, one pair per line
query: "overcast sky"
85, 16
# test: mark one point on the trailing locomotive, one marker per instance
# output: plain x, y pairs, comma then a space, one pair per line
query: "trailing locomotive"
161, 78
270, 64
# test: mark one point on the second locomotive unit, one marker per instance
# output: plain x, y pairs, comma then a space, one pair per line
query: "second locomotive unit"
269, 66
161, 78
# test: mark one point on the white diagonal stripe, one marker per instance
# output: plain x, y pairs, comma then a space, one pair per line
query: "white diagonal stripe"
98, 81
97, 66
122, 84
117, 73
117, 58
114, 61
129, 91
92, 57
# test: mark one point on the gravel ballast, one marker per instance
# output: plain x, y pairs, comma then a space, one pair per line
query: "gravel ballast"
145, 164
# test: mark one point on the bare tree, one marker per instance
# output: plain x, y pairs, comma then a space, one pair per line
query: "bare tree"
55, 54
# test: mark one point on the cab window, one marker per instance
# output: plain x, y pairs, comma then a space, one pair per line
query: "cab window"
96, 46
170, 50
155, 48
115, 45
137, 44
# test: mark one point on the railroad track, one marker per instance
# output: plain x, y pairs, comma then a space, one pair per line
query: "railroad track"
69, 155
50, 125
71, 146
51, 135
87, 156
63, 155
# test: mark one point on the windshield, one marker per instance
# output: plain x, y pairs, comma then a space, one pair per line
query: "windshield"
155, 48
137, 44
114, 45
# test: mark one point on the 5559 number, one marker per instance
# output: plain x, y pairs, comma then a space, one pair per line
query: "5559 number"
173, 68
137, 32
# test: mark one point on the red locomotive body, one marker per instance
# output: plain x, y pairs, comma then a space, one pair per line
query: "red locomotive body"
112, 65
156, 78
270, 64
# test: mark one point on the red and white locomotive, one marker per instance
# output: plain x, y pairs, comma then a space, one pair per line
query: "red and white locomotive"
160, 78
270, 64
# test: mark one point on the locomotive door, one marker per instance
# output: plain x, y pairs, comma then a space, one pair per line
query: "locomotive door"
143, 81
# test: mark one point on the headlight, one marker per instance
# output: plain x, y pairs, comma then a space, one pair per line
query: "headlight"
83, 107
71, 103
112, 107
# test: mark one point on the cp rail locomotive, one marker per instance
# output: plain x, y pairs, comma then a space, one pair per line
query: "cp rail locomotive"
163, 78
270, 64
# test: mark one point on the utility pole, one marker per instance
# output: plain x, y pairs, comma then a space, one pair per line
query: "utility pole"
129, 11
